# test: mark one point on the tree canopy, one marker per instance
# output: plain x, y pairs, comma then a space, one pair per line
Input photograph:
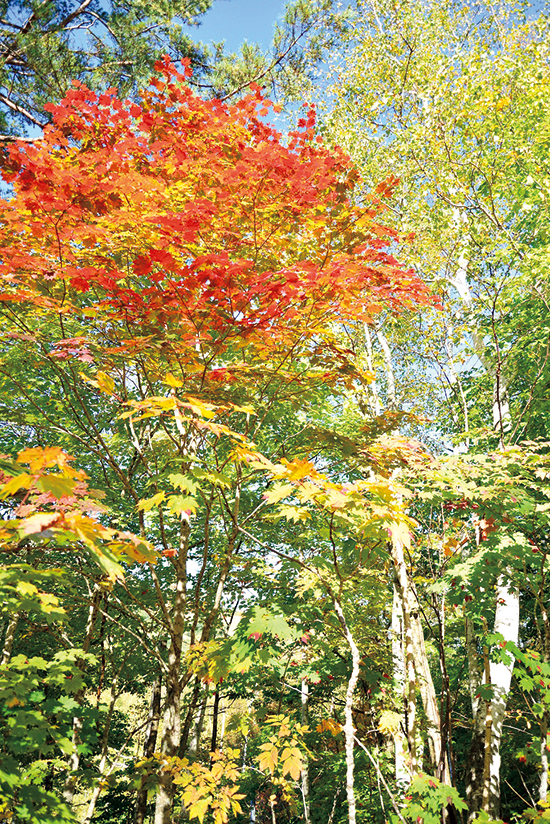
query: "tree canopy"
274, 453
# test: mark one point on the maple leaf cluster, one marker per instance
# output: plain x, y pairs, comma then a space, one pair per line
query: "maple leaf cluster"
191, 218
59, 506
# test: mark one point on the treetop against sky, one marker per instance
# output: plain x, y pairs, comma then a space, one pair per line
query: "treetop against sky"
241, 575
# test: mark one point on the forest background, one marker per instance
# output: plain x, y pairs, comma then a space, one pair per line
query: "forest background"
274, 415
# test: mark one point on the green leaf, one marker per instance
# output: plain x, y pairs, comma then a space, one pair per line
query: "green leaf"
262, 620
184, 482
57, 485
177, 504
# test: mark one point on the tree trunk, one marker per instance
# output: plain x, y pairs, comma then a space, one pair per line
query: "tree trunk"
104, 750
171, 736
374, 407
543, 785
390, 375
215, 714
403, 588
74, 758
483, 781
305, 766
506, 623
349, 729
476, 757
9, 638
402, 777
429, 698
194, 742
171, 722
149, 746
540, 596
476, 763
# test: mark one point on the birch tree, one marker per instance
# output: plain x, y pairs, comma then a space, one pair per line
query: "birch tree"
442, 99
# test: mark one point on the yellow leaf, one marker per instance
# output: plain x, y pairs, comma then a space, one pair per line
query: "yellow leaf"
268, 759
199, 809
300, 469
15, 484
400, 533
148, 503
172, 381
502, 103
205, 410
134, 548
38, 522
41, 458
248, 409
105, 383
389, 722
295, 513
450, 546
329, 725
337, 498
26, 588
182, 503
293, 767
277, 492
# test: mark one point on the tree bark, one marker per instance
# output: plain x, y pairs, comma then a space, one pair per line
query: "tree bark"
506, 623
215, 714
402, 777
483, 782
390, 375
418, 672
540, 594
349, 729
429, 698
305, 764
192, 746
104, 749
149, 746
543, 785
171, 727
9, 638
74, 758
402, 585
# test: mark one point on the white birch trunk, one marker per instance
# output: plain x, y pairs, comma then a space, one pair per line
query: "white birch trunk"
9, 639
402, 776
373, 389
390, 375
543, 784
403, 589
506, 623
507, 602
305, 766
349, 729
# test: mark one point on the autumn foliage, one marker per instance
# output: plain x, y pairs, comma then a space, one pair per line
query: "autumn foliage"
189, 223
180, 274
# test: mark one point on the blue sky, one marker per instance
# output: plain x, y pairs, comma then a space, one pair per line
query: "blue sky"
237, 20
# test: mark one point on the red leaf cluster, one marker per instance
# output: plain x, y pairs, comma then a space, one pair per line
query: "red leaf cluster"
195, 217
